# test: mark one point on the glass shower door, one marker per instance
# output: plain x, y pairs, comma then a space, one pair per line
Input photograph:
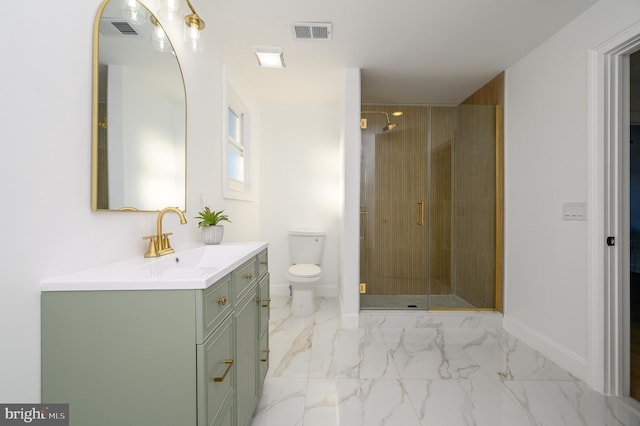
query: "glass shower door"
394, 215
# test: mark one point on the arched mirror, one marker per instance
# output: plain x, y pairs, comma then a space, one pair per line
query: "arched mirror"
139, 112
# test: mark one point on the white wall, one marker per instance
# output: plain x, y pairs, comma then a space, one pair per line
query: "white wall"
350, 151
300, 184
48, 227
546, 165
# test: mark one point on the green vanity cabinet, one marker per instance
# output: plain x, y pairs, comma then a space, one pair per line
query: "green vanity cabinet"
216, 375
157, 357
246, 355
249, 313
263, 333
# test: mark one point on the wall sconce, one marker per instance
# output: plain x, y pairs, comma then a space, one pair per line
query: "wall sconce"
195, 24
170, 10
132, 13
158, 37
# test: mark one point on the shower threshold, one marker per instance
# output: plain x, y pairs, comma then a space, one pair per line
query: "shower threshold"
412, 302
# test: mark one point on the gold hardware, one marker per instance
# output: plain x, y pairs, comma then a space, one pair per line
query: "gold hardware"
249, 276
229, 363
222, 300
151, 250
363, 123
267, 351
193, 19
264, 262
387, 127
268, 300
159, 244
363, 288
420, 213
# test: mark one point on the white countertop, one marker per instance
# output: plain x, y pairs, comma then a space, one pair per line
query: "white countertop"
196, 268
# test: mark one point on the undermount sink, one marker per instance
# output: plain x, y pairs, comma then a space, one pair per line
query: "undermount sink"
187, 269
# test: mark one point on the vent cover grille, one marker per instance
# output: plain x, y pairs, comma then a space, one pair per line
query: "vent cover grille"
311, 30
124, 27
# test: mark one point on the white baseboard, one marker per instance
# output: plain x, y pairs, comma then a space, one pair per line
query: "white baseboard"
569, 360
350, 322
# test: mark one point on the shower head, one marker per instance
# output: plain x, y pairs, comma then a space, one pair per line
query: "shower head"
388, 126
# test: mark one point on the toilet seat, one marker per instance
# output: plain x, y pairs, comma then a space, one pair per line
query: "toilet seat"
304, 272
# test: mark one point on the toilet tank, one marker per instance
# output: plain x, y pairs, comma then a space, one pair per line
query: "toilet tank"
306, 246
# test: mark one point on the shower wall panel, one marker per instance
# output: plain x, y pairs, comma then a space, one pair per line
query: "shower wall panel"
443, 122
475, 206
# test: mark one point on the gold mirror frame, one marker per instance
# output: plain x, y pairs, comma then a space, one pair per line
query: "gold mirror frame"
97, 123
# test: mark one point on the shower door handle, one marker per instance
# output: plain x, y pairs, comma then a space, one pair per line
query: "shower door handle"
420, 213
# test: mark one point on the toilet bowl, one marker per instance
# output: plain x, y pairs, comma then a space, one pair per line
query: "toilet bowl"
306, 248
303, 278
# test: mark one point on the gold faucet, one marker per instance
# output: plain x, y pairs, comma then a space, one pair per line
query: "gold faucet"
159, 243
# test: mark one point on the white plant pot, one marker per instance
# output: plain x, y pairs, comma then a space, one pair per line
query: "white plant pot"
212, 234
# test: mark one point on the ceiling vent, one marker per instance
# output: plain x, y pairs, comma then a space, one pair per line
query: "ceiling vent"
116, 27
311, 30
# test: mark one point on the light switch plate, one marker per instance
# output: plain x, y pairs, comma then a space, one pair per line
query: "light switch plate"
574, 211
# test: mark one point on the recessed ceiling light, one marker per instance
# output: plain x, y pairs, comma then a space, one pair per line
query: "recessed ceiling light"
270, 56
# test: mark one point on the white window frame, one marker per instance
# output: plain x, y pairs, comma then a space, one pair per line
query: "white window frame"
231, 188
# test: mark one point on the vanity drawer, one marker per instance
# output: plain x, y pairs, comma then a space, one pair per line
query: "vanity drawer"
216, 373
263, 263
213, 305
244, 277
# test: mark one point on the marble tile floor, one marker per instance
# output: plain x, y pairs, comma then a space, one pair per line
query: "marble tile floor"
321, 374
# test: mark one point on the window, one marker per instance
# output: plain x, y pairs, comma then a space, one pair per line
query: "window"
236, 149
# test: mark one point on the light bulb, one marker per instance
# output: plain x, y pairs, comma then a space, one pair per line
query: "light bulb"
159, 40
132, 4
193, 32
133, 13
192, 38
172, 5
169, 10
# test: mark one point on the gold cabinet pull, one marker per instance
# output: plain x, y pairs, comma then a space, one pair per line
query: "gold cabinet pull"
420, 213
268, 300
266, 358
249, 276
264, 262
222, 300
229, 363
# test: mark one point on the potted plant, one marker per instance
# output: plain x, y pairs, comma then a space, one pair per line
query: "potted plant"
212, 232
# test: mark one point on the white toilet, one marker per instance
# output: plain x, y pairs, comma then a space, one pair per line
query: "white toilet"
306, 248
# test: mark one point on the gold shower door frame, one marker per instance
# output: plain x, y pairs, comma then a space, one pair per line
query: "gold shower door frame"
421, 246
